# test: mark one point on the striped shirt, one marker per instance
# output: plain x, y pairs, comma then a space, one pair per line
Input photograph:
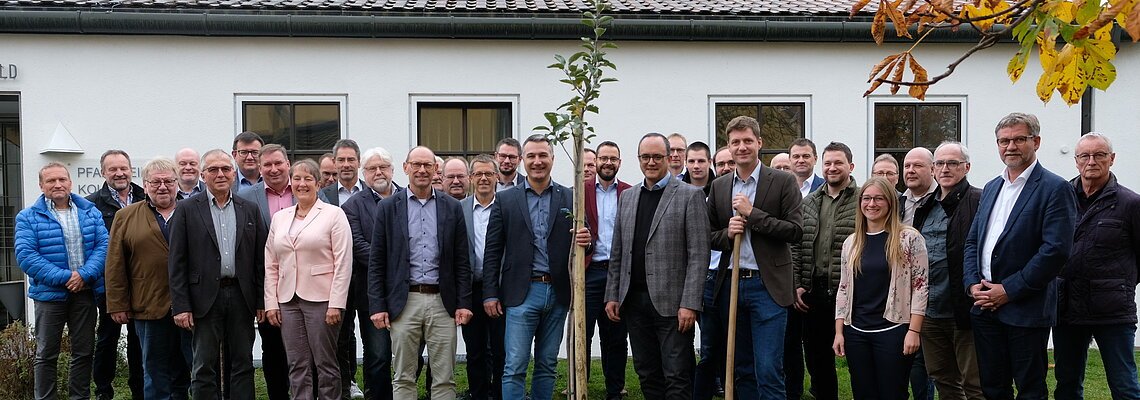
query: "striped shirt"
72, 238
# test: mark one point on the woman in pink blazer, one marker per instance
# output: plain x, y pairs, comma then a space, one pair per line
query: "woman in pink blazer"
308, 263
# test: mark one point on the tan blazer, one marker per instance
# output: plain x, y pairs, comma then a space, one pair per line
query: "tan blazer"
317, 265
136, 269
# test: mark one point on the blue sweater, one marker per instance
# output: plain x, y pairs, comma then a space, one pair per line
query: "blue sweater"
42, 254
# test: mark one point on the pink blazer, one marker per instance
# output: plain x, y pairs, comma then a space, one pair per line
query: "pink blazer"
317, 265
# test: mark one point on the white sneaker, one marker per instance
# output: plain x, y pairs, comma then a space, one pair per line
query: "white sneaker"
355, 391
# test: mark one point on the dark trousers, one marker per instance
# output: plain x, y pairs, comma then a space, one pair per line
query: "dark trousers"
377, 349
105, 362
710, 368
612, 334
662, 355
274, 364
483, 337
78, 314
794, 355
1010, 355
921, 386
819, 334
166, 356
1071, 350
229, 325
879, 370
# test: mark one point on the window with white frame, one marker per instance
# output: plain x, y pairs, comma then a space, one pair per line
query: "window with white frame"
782, 120
901, 126
463, 126
307, 126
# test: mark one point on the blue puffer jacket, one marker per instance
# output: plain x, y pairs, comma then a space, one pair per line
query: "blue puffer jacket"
42, 255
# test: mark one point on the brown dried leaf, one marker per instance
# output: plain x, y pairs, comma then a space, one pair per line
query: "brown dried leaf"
906, 7
858, 6
897, 19
900, 67
1101, 20
879, 26
889, 60
918, 91
882, 76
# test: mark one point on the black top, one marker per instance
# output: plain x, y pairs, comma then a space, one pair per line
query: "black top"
646, 208
871, 285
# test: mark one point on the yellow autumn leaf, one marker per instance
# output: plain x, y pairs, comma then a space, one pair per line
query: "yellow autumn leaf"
1133, 24
1098, 72
1065, 11
999, 6
1045, 86
1072, 82
1047, 53
1016, 66
1102, 48
973, 12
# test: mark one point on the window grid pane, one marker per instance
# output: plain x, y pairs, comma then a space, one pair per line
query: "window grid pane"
463, 129
303, 129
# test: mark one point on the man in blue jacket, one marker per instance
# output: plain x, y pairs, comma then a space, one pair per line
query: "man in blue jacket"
1018, 243
61, 244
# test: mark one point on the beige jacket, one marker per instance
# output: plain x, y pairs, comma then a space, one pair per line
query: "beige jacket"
907, 290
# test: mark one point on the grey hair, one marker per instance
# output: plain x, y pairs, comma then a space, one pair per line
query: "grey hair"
214, 152
376, 152
961, 148
1014, 119
1096, 135
158, 165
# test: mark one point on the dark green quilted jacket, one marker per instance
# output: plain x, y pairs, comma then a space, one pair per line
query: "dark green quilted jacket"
803, 257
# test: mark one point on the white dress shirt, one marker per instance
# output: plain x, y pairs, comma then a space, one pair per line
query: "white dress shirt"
999, 215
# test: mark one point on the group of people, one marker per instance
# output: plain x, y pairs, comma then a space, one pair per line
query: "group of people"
216, 249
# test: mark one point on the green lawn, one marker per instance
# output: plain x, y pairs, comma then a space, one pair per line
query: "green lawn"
1096, 386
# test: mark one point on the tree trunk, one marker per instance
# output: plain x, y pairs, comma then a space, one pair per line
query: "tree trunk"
578, 275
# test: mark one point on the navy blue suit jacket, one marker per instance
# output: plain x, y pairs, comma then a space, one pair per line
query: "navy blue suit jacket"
816, 182
388, 262
1030, 251
507, 268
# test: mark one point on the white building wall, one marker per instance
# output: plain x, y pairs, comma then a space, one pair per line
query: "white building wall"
150, 95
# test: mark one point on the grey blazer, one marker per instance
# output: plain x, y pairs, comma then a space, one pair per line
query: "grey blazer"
677, 251
256, 195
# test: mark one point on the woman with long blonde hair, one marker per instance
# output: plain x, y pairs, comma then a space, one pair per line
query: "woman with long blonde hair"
882, 296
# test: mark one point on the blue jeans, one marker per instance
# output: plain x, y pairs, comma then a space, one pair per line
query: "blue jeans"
166, 356
759, 340
539, 319
612, 334
377, 358
1071, 346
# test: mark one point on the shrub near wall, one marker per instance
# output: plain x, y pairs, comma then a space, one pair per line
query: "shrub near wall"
17, 350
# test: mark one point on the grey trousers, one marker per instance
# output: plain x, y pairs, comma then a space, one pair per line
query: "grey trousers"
79, 313
311, 344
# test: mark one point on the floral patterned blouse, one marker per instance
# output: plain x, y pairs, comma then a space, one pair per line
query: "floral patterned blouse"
908, 290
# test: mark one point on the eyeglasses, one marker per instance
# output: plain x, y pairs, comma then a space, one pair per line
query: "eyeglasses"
654, 157
876, 199
948, 164
511, 157
608, 159
223, 169
161, 182
415, 165
724, 164
1098, 156
454, 176
1020, 140
884, 174
484, 174
247, 153
375, 168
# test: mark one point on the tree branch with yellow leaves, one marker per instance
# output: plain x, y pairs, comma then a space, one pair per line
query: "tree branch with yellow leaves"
1083, 26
